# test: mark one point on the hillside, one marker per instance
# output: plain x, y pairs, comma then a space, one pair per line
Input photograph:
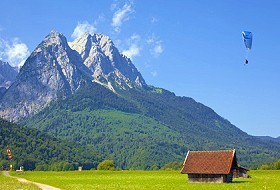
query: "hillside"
114, 126
32, 148
202, 128
268, 138
147, 128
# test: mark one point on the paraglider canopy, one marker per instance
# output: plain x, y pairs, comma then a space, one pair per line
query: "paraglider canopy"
247, 37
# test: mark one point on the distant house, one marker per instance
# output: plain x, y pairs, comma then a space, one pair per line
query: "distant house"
212, 166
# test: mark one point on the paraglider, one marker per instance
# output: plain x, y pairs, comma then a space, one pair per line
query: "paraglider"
247, 37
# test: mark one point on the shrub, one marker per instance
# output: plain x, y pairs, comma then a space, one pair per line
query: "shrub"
173, 166
106, 165
265, 167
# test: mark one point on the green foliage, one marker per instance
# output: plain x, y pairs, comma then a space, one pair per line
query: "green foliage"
145, 129
273, 166
202, 129
31, 148
264, 167
106, 165
277, 165
132, 140
92, 97
61, 166
173, 166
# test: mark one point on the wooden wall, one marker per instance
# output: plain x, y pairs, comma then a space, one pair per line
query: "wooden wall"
210, 178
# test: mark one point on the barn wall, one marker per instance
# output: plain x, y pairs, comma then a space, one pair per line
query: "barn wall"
240, 172
210, 178
228, 178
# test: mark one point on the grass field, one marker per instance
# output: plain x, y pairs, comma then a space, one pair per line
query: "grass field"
7, 183
133, 180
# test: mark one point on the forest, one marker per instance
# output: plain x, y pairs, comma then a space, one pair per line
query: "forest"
137, 129
34, 149
143, 129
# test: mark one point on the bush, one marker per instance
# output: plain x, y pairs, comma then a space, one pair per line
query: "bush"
41, 167
29, 164
273, 166
265, 167
61, 166
106, 165
173, 166
277, 165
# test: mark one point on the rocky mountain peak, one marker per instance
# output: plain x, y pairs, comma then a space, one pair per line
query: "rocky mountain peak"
88, 43
54, 71
108, 66
55, 38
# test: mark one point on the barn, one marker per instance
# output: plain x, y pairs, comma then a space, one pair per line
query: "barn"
211, 166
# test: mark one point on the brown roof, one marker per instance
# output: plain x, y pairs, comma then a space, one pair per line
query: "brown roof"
209, 162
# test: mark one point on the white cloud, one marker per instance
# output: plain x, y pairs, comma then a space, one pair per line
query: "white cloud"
14, 52
154, 73
118, 43
134, 48
151, 39
2, 48
156, 47
121, 15
133, 51
135, 37
82, 28
154, 20
157, 50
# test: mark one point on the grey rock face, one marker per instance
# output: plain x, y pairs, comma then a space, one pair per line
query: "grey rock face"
107, 65
7, 74
54, 71
51, 72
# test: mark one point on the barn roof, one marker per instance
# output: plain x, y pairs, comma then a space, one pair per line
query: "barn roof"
209, 162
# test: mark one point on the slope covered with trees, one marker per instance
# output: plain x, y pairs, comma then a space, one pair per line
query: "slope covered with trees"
32, 149
147, 128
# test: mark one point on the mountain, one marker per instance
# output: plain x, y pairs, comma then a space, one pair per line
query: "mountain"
32, 148
91, 94
107, 65
53, 71
7, 74
268, 138
152, 129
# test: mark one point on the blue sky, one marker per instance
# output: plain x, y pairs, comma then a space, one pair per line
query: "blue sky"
193, 48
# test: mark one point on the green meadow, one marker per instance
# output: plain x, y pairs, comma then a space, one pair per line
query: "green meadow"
7, 183
133, 180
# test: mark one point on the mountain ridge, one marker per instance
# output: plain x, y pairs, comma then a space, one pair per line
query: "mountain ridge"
7, 74
54, 71
269, 138
100, 55
102, 119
